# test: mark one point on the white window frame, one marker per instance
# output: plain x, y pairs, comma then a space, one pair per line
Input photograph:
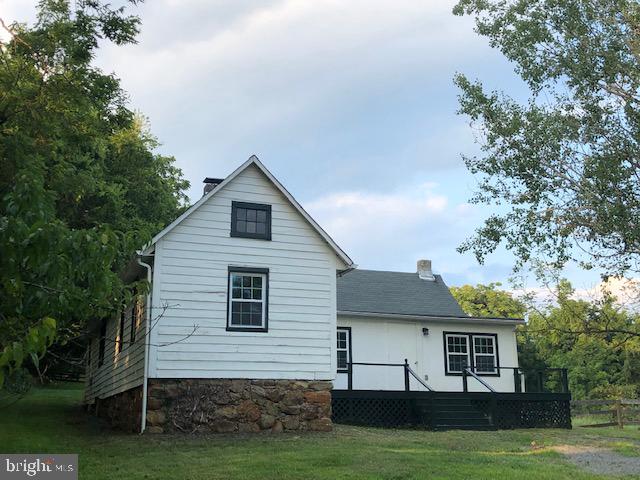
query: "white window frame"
468, 354
347, 349
493, 355
245, 272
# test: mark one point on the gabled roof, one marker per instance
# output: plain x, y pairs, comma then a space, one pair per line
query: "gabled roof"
373, 293
253, 160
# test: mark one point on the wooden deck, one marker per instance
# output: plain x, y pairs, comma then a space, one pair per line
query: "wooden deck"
451, 410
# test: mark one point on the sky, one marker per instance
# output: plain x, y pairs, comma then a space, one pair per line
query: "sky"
350, 104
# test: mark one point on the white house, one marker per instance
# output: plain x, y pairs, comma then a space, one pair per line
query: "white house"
254, 315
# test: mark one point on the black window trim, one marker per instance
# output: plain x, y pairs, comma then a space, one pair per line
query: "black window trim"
471, 352
344, 370
261, 271
254, 206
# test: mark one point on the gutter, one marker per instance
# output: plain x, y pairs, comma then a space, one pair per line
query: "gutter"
143, 423
400, 316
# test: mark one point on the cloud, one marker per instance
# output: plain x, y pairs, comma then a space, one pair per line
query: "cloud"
393, 230
349, 103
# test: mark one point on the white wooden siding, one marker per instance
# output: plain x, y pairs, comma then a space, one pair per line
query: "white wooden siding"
379, 340
190, 291
120, 371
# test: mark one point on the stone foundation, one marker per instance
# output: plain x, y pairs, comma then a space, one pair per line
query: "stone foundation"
123, 410
224, 406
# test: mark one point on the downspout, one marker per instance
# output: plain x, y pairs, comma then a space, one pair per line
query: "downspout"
143, 423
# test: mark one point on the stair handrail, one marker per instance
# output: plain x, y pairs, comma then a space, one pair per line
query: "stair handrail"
467, 371
420, 381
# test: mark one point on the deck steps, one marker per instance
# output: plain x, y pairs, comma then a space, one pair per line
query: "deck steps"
455, 413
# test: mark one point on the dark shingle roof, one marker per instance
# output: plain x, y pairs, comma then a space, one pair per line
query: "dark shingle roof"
395, 293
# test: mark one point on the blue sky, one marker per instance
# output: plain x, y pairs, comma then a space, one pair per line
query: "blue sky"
351, 104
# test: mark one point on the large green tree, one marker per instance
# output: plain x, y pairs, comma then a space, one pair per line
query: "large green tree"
488, 301
563, 164
80, 184
589, 338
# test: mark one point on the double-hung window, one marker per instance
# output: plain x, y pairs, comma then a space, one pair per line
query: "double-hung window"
457, 352
478, 351
484, 354
344, 348
248, 299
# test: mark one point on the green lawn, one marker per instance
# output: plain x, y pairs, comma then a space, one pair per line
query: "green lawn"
49, 420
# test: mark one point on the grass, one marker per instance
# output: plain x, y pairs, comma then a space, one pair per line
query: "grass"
49, 420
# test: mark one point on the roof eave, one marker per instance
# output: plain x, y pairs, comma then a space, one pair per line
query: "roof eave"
442, 318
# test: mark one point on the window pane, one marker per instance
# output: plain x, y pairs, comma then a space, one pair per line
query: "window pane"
261, 228
342, 360
241, 214
241, 226
257, 294
246, 293
236, 293
261, 216
246, 281
257, 282
457, 344
251, 227
485, 364
251, 215
457, 362
236, 280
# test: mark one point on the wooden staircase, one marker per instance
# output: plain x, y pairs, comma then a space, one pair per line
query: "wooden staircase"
455, 413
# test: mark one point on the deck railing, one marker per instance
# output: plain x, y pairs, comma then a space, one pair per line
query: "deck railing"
408, 372
534, 380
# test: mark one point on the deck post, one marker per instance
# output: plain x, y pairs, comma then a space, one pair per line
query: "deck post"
350, 376
540, 381
565, 381
517, 382
406, 375
465, 387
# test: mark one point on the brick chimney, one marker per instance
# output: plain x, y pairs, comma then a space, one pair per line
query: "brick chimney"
424, 270
210, 184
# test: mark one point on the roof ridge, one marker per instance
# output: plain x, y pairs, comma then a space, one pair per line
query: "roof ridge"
389, 271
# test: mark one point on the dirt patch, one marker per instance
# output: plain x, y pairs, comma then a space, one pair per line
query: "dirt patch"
600, 460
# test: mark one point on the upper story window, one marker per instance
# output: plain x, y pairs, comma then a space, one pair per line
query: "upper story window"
479, 351
344, 348
251, 220
248, 299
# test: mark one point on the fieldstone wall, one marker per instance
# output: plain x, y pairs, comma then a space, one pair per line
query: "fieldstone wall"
224, 406
123, 410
